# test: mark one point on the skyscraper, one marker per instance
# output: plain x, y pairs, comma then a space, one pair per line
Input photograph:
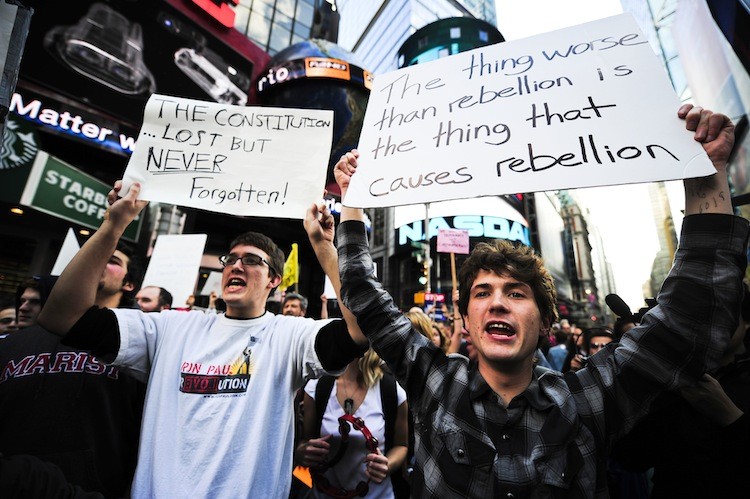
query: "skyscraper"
374, 31
275, 24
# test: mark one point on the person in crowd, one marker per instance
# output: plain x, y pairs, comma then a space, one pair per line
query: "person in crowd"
576, 349
8, 322
441, 340
507, 429
218, 418
28, 303
364, 391
63, 405
590, 342
294, 304
556, 355
421, 323
153, 299
697, 440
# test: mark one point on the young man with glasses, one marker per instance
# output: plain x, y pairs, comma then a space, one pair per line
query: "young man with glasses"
218, 418
503, 428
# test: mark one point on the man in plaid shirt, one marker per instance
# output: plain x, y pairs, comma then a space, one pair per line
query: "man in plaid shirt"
503, 428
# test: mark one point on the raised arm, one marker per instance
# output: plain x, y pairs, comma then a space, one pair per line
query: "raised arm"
75, 290
697, 308
716, 133
409, 355
319, 225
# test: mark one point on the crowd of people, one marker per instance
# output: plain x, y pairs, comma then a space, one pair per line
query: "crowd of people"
108, 390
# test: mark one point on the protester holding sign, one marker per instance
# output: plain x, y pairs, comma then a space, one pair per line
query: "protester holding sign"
503, 428
218, 414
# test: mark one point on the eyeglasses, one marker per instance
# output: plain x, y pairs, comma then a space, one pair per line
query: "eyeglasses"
247, 259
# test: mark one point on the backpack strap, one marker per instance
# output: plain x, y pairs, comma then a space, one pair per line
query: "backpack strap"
389, 400
322, 393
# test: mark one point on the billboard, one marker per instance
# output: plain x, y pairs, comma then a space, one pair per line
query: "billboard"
111, 56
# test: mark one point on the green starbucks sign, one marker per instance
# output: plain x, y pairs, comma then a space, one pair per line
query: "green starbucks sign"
61, 190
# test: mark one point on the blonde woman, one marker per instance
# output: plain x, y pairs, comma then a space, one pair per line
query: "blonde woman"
429, 330
364, 391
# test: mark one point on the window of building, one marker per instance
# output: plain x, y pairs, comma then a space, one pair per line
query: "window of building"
242, 14
258, 29
483, 35
455, 32
301, 30
285, 7
280, 38
263, 8
283, 20
305, 10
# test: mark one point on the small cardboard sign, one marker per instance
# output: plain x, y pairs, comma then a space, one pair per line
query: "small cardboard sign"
453, 241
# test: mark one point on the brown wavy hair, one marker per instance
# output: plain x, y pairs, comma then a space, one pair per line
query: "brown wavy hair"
516, 260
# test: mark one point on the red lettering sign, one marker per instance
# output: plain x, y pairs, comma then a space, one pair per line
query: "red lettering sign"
219, 10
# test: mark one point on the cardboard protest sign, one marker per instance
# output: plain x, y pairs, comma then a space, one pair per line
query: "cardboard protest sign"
259, 161
453, 241
175, 263
583, 106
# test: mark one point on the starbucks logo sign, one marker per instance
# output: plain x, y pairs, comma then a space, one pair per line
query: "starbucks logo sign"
20, 144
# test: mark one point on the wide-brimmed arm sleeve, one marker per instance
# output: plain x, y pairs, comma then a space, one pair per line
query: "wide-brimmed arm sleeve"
681, 338
409, 355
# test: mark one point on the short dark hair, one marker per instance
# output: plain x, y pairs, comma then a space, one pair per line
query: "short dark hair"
516, 260
165, 298
598, 331
134, 274
275, 255
295, 296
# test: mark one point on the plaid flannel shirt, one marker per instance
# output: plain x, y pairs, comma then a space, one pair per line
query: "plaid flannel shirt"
552, 440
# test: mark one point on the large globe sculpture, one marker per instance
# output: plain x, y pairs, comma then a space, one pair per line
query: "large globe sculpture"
318, 74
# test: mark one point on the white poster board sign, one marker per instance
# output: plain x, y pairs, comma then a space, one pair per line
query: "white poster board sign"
328, 289
583, 106
213, 284
175, 263
253, 161
69, 249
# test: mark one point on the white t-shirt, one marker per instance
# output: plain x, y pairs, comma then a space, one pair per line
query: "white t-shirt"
218, 418
350, 470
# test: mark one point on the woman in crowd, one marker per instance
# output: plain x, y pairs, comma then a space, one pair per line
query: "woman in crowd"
364, 390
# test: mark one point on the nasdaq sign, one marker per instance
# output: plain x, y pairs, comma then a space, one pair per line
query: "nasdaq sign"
477, 225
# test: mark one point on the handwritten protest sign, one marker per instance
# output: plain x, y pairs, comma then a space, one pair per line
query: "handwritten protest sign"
453, 241
583, 106
259, 161
175, 263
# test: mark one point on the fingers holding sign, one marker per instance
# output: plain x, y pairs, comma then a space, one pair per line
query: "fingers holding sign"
345, 168
123, 210
714, 131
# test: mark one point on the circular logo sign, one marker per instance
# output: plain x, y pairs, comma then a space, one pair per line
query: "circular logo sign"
20, 144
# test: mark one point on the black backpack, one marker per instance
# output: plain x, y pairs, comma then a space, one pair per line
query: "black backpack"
389, 399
